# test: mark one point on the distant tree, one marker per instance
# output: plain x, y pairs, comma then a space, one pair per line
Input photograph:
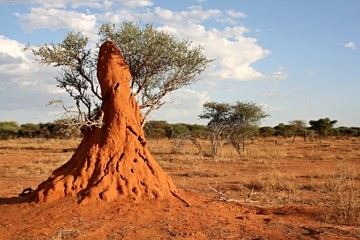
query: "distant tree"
239, 121
29, 130
266, 131
179, 129
322, 126
355, 131
244, 121
66, 128
159, 64
218, 115
283, 130
8, 129
157, 129
298, 128
48, 130
346, 131
198, 131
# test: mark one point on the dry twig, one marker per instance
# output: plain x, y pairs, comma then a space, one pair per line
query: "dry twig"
226, 199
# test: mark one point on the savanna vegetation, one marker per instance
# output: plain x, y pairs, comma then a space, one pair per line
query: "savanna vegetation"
162, 129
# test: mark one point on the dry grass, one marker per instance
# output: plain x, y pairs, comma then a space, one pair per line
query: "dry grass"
322, 174
37, 158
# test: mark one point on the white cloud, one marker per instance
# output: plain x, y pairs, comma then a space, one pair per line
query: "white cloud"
280, 74
268, 108
194, 14
24, 83
350, 45
234, 53
137, 3
184, 105
235, 14
54, 19
49, 4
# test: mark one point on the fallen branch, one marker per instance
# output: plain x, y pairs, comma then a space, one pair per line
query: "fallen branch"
226, 199
187, 204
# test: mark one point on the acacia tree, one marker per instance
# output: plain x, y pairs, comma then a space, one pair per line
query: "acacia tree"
245, 118
235, 122
322, 126
219, 119
159, 63
298, 127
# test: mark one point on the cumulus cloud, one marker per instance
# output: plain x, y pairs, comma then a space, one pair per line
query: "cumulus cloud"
137, 3
350, 45
54, 19
233, 51
25, 84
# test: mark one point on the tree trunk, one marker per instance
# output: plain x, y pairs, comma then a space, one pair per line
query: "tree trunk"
112, 161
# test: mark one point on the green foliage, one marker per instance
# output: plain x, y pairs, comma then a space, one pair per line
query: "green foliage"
48, 130
237, 122
162, 129
157, 129
78, 65
198, 131
345, 131
244, 122
266, 131
217, 113
298, 128
29, 130
8, 129
178, 129
159, 63
283, 130
322, 126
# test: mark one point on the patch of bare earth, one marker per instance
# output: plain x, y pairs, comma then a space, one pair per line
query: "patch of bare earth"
301, 190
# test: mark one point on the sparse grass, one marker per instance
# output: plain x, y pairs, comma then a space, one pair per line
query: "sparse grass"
304, 173
38, 158
344, 188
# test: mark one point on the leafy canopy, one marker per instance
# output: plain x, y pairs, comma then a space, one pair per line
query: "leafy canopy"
159, 63
235, 121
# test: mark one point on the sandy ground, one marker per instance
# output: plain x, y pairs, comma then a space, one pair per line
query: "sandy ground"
288, 191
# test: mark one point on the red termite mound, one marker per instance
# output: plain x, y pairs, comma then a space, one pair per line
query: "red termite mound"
111, 161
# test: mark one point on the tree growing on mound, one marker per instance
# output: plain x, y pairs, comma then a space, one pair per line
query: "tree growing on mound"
112, 161
158, 62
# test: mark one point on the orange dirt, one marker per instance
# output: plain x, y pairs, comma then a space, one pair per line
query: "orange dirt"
294, 194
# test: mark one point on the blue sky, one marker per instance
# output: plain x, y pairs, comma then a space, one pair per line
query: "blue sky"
298, 59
